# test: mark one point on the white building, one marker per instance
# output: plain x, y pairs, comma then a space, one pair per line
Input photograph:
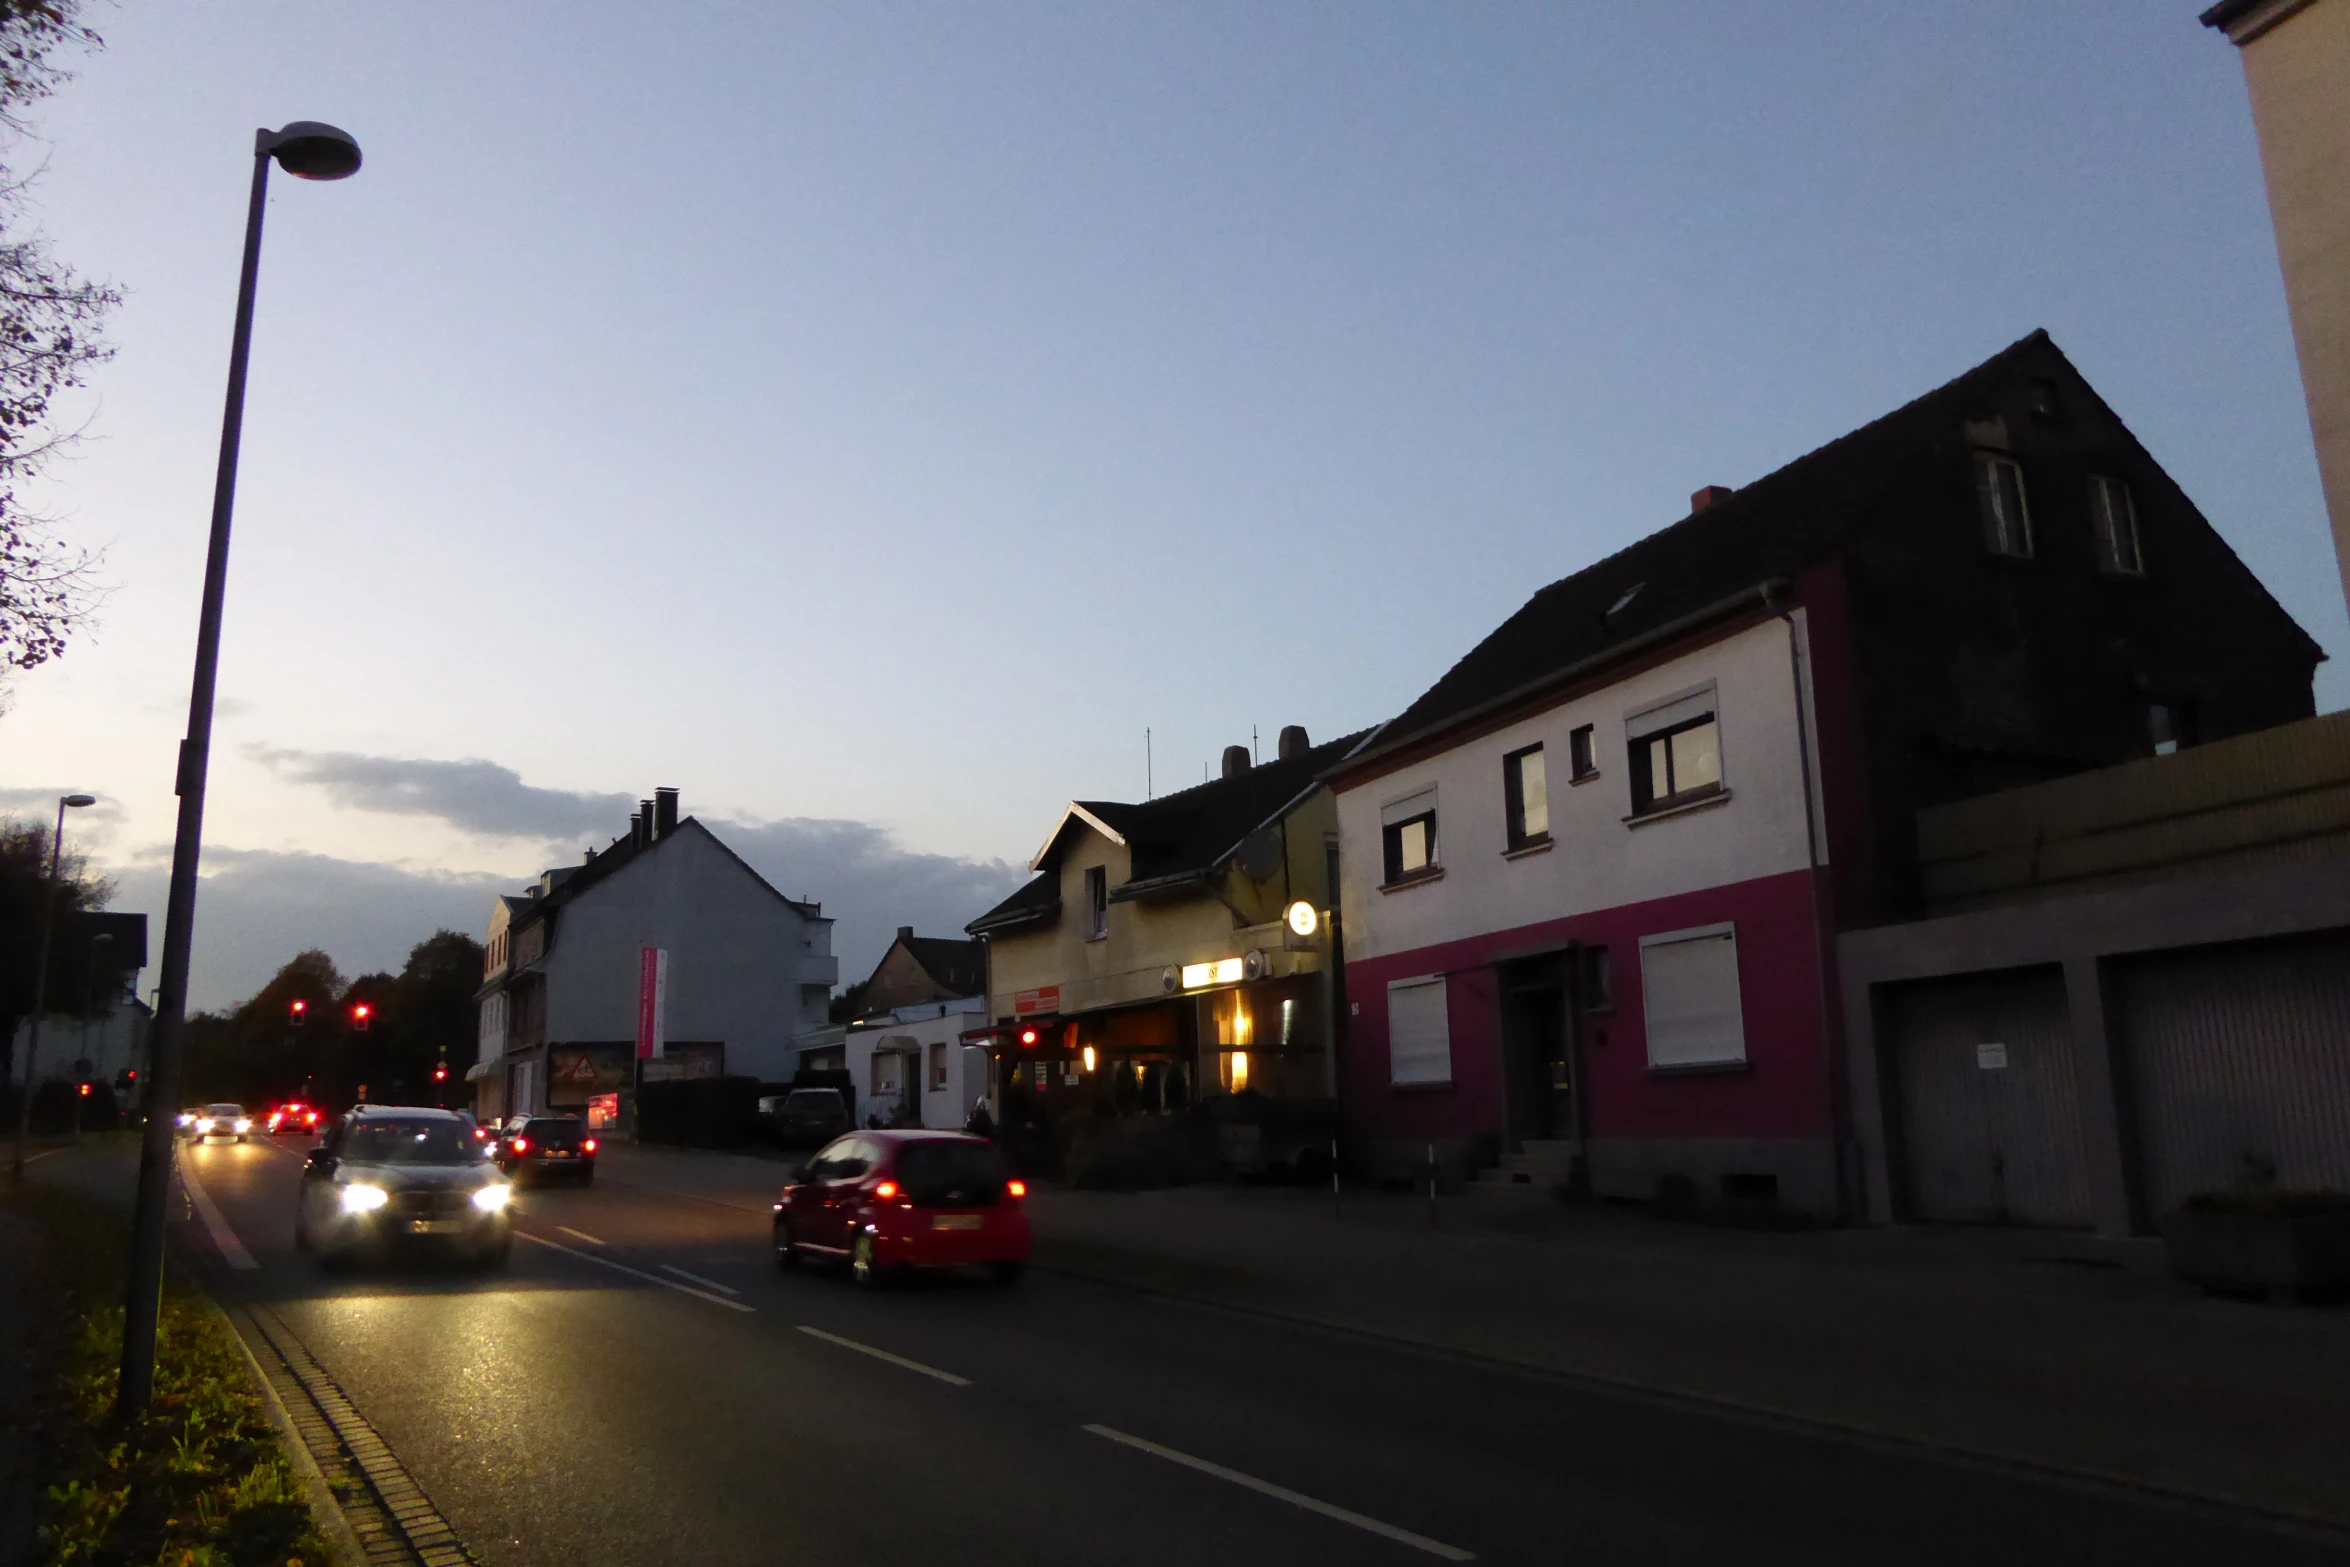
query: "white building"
745, 969
911, 1067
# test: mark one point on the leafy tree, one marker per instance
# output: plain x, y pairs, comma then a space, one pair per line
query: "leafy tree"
24, 905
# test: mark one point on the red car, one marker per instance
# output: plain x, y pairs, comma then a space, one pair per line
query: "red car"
293, 1116
888, 1202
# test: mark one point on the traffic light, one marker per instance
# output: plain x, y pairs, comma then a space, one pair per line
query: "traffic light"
85, 1090
126, 1080
360, 1013
440, 1073
1028, 1039
297, 1012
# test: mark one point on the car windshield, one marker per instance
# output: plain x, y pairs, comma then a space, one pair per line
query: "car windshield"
224, 1109
407, 1142
816, 1100
932, 1170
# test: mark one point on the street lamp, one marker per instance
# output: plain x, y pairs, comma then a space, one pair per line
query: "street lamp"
311, 151
32, 1042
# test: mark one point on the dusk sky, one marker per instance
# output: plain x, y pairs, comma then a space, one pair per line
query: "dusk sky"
870, 420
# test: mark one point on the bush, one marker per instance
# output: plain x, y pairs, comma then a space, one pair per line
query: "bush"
199, 1482
699, 1112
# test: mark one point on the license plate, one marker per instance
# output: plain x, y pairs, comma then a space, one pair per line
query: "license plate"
558, 1153
954, 1221
433, 1226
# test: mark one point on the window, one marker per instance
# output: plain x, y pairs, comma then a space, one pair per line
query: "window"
1407, 829
938, 1065
1582, 757
1525, 797
1676, 753
2007, 523
2170, 725
1689, 988
1596, 980
1097, 902
1419, 1037
2117, 527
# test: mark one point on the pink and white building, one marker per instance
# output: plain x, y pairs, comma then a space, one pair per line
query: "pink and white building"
1591, 881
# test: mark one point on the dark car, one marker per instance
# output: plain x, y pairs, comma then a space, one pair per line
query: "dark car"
806, 1116
294, 1116
541, 1148
888, 1202
384, 1179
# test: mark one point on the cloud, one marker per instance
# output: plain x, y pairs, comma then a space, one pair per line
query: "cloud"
257, 908
475, 795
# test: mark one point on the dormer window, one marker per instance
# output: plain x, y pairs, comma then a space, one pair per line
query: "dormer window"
2007, 521
2116, 517
1097, 902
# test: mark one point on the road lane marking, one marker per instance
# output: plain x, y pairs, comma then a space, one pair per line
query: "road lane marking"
634, 1273
33, 1158
592, 1240
1418, 1542
232, 1250
695, 1278
882, 1354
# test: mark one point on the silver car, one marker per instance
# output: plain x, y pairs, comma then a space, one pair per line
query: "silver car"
386, 1179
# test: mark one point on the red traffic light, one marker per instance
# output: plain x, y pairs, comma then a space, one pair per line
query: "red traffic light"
1027, 1038
440, 1074
85, 1090
298, 1007
360, 1013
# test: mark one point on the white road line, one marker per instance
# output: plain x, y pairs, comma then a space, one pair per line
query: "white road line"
43, 1154
634, 1273
232, 1250
1418, 1542
695, 1278
592, 1240
882, 1354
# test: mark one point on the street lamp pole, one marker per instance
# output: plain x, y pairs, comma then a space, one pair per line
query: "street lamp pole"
307, 150
32, 1042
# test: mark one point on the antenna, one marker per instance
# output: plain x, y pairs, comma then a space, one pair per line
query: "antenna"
1147, 792
1252, 745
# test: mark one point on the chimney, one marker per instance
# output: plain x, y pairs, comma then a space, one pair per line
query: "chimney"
1711, 495
1293, 743
644, 823
905, 933
664, 812
636, 829
1235, 760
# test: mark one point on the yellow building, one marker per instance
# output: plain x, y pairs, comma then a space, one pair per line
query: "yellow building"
2297, 65
1177, 953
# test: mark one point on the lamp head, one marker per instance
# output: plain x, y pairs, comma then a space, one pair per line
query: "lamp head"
77, 801
310, 150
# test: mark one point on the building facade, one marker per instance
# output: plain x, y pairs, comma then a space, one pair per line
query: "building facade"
1593, 879
747, 969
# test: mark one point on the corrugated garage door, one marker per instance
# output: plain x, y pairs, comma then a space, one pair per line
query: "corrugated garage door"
2239, 1065
1990, 1121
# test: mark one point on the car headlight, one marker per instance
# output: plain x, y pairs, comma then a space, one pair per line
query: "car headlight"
204, 1123
364, 1199
187, 1120
244, 1125
489, 1199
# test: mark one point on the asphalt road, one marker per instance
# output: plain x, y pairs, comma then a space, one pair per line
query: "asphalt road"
642, 1385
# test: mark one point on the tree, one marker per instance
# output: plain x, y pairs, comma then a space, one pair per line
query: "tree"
258, 1051
50, 336
24, 906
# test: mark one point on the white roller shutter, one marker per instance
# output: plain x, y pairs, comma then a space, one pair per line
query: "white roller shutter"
1689, 988
1419, 1039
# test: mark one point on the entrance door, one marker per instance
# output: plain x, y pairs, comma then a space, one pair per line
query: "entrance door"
1538, 1052
1989, 1105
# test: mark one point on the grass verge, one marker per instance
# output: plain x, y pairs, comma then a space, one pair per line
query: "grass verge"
201, 1481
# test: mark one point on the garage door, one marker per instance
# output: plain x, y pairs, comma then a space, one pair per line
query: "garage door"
1987, 1103
2238, 1064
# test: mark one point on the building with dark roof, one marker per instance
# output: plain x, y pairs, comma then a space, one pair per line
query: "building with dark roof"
740, 970
1592, 876
921, 969
1177, 951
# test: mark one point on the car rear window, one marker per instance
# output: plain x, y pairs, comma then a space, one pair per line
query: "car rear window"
814, 1100
224, 1109
939, 1174
559, 1132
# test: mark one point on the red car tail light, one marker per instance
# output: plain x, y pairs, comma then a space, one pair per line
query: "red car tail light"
1016, 1188
885, 1191
588, 1147
522, 1145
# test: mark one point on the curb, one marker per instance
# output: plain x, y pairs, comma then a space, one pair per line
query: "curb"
2310, 1527
333, 1523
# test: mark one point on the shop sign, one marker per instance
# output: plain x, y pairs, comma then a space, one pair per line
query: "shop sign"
1045, 998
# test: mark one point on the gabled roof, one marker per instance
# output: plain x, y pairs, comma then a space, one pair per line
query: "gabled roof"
1733, 551
1037, 902
957, 967
579, 880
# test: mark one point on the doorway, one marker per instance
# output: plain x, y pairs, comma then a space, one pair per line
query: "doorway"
1540, 1074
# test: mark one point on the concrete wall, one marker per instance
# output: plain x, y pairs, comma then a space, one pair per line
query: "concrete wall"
925, 1026
2298, 69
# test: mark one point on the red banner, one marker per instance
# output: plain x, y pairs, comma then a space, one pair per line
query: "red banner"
652, 998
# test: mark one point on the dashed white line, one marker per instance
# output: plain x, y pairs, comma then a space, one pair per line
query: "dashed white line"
232, 1250
882, 1354
1418, 1542
634, 1273
592, 1240
695, 1278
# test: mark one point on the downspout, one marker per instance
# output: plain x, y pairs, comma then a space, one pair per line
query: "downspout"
1821, 939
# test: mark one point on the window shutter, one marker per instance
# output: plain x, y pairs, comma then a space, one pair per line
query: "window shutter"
1689, 990
1419, 1038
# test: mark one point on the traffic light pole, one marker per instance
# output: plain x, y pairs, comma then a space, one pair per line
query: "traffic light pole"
143, 1301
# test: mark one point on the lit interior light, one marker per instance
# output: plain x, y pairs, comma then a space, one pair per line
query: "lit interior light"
1224, 971
1089, 1058
1239, 1070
